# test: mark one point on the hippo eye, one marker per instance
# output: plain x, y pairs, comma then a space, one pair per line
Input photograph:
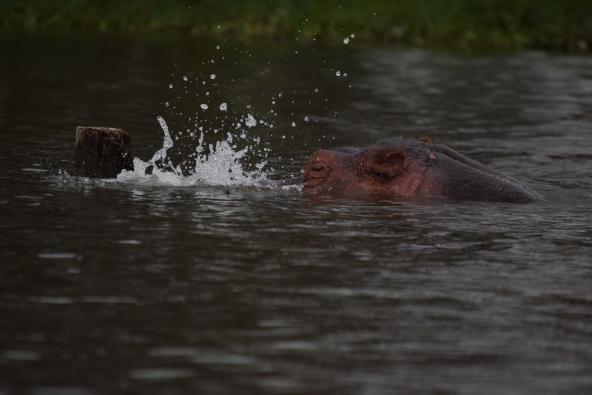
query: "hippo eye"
385, 164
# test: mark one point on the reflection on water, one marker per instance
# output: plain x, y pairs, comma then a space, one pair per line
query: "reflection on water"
135, 287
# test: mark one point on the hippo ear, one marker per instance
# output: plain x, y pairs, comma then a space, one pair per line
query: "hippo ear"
386, 163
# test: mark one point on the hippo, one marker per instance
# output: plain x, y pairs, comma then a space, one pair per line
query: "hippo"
406, 168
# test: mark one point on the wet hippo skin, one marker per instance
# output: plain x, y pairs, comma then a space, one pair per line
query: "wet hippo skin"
407, 168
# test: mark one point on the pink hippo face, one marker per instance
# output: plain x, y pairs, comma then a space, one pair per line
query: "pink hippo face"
407, 168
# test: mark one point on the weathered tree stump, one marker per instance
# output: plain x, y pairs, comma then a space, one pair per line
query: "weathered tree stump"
102, 152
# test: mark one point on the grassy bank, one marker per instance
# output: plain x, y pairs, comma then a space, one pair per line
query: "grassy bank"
562, 25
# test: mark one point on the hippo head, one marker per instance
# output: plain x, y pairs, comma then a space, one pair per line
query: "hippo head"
407, 168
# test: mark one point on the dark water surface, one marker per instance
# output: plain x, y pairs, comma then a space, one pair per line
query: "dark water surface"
147, 288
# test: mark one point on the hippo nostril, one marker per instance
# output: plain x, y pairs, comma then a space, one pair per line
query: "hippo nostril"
317, 171
316, 174
318, 167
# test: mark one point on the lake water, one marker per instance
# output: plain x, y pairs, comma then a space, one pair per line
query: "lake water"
180, 285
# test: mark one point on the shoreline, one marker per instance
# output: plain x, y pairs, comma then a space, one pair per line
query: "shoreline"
456, 25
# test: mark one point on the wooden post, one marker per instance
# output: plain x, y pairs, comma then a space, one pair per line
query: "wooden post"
101, 152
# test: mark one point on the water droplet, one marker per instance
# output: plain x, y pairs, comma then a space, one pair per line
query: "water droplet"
203, 106
170, 86
166, 104
346, 40
338, 73
293, 124
223, 107
250, 121
352, 35
212, 76
306, 119
185, 78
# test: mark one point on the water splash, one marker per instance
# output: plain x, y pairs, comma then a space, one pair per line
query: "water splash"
166, 144
221, 164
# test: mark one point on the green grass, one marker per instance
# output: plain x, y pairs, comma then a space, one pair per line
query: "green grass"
561, 25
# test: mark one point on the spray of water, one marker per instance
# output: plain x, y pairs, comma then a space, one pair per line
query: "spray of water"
220, 164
